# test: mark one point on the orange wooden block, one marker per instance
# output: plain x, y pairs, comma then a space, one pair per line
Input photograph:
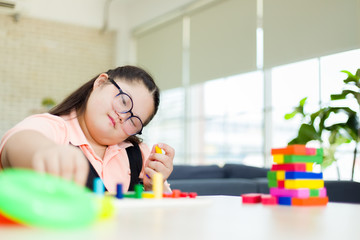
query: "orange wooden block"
311, 201
176, 193
296, 149
167, 195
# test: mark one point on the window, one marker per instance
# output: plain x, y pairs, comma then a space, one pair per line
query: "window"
316, 79
233, 119
168, 124
225, 116
224, 121
291, 83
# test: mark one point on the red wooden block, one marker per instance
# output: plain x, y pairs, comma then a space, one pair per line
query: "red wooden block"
310, 151
290, 167
184, 194
251, 198
193, 195
281, 184
267, 199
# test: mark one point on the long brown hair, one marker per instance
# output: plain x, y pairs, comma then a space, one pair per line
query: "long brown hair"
78, 99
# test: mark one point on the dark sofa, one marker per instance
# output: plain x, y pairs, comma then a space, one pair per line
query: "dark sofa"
236, 179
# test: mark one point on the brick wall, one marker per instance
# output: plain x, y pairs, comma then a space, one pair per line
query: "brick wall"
41, 59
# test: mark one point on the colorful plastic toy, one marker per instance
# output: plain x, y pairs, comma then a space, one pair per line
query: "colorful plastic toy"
43, 200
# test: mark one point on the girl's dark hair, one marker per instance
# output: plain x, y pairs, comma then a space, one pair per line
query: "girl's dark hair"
78, 99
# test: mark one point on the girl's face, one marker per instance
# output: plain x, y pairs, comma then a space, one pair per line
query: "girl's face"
101, 123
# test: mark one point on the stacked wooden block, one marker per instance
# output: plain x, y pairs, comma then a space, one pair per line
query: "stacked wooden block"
292, 180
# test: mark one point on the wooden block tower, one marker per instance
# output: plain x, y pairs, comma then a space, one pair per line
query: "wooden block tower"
291, 178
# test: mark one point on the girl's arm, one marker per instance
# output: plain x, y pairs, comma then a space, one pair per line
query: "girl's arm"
31, 149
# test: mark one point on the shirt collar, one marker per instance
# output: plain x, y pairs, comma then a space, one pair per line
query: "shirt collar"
76, 135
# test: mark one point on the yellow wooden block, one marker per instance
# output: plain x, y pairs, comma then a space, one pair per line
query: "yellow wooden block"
280, 175
107, 208
304, 183
147, 195
157, 149
278, 158
309, 167
157, 180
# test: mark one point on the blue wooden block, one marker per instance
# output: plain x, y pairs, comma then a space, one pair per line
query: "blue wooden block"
303, 175
119, 192
284, 201
99, 187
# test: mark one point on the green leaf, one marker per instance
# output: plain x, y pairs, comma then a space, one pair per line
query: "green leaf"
295, 141
307, 133
327, 161
299, 109
358, 73
353, 78
303, 101
290, 115
352, 127
344, 94
338, 96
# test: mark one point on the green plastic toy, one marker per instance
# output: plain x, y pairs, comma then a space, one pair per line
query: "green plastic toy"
43, 200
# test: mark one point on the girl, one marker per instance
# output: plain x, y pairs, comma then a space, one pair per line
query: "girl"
93, 132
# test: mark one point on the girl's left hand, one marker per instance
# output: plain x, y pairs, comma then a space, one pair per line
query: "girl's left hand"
158, 163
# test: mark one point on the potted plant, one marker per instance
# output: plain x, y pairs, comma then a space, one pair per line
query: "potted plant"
315, 127
48, 103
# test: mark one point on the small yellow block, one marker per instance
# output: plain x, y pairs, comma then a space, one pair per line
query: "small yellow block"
280, 175
147, 195
157, 149
278, 158
304, 183
107, 208
309, 167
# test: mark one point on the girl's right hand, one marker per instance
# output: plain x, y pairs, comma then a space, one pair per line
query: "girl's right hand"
65, 161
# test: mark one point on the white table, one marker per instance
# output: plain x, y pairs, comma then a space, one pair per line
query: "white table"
212, 217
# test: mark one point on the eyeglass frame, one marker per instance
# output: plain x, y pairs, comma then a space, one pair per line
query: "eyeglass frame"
132, 105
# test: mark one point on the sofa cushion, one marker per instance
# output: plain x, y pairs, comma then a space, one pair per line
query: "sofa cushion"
244, 171
232, 187
196, 172
343, 191
262, 185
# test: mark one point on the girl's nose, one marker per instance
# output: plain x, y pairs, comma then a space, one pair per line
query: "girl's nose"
123, 116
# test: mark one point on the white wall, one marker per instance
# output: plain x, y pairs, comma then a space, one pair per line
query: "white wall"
79, 12
124, 15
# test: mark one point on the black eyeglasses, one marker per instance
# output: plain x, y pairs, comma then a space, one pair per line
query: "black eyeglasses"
123, 103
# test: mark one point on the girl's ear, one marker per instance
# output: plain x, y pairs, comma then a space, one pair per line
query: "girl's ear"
102, 78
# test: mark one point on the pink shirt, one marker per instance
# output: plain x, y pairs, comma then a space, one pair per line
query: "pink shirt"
113, 168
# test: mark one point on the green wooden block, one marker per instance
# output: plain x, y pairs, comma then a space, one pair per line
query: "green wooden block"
319, 152
272, 183
129, 195
303, 158
138, 190
271, 175
314, 192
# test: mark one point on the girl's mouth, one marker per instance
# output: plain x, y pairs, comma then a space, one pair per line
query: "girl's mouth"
112, 121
